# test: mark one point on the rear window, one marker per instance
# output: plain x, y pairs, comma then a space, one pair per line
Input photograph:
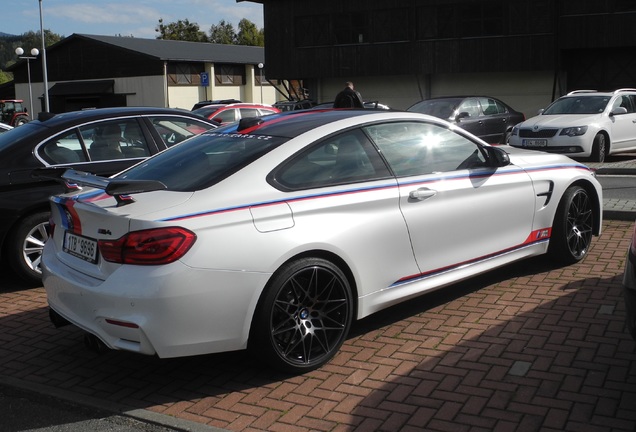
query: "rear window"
204, 160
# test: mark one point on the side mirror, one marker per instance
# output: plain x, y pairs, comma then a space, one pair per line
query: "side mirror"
618, 111
540, 111
498, 156
461, 115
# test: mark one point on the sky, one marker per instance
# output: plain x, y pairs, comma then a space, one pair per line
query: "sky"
137, 18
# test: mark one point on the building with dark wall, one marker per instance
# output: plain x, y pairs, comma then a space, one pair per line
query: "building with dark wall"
525, 51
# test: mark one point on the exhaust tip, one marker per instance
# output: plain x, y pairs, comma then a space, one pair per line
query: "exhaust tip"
93, 343
57, 319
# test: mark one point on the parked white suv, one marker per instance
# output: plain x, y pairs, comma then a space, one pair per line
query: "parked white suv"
583, 123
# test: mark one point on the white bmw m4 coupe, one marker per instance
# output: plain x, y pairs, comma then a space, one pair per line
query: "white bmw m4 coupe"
275, 233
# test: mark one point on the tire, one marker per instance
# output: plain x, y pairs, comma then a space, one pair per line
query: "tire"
303, 317
599, 148
25, 244
20, 121
506, 138
572, 228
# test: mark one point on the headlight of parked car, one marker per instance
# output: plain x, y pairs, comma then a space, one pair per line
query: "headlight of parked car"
515, 131
574, 131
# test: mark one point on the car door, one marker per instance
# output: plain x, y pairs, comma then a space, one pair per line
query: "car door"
624, 124
458, 209
347, 185
495, 120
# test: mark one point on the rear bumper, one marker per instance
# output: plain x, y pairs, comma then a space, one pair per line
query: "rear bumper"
170, 310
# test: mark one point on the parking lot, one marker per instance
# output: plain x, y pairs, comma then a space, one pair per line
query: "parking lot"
529, 347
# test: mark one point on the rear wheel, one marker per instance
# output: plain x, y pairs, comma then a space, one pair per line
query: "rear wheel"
599, 148
21, 120
572, 227
303, 317
25, 245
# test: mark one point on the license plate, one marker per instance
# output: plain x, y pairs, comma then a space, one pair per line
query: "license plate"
80, 246
535, 143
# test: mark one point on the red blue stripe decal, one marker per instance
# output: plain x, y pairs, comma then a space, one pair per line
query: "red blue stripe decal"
537, 236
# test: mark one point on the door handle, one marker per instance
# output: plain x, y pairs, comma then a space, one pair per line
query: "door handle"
422, 193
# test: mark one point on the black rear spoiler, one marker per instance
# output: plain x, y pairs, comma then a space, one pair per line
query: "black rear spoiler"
117, 188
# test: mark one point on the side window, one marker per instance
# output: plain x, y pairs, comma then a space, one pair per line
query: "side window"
63, 149
345, 158
423, 148
227, 116
122, 139
624, 101
501, 108
265, 111
173, 130
489, 106
470, 106
249, 112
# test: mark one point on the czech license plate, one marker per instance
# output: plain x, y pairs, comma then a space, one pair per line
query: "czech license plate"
535, 143
80, 246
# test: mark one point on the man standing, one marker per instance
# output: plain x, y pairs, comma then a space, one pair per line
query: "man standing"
348, 98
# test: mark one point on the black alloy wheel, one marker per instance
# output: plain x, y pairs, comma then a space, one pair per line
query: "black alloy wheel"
304, 316
573, 226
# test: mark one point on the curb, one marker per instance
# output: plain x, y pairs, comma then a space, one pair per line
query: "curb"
619, 215
113, 408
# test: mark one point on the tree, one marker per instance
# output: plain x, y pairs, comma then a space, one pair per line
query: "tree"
223, 33
249, 34
5, 77
33, 39
182, 30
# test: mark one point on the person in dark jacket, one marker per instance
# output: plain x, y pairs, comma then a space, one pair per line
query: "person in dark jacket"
348, 98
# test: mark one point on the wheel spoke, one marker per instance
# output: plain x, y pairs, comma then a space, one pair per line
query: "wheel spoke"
579, 224
310, 315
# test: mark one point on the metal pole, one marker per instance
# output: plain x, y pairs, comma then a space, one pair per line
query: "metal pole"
260, 67
30, 92
44, 72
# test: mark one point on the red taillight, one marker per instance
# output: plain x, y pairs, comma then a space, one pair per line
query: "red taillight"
50, 228
148, 247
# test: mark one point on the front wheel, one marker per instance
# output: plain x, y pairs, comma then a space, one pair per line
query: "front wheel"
303, 317
572, 227
599, 148
25, 245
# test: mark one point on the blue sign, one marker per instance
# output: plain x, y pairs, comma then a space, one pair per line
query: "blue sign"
205, 79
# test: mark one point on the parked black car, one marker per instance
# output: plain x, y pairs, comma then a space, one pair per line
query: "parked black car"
488, 118
293, 105
101, 141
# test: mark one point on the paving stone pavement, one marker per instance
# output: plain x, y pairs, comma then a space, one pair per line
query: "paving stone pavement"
530, 347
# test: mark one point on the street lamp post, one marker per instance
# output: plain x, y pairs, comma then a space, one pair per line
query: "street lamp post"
260, 67
34, 53
44, 71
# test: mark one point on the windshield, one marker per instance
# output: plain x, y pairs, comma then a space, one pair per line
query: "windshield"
441, 108
578, 105
204, 160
